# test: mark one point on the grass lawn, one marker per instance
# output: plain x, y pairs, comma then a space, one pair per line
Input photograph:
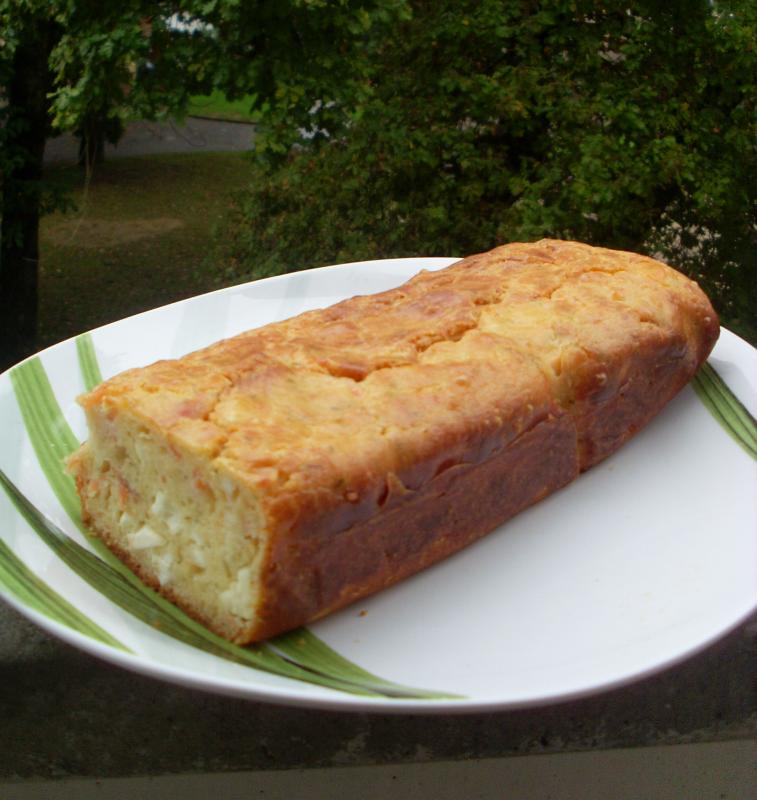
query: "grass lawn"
216, 106
141, 236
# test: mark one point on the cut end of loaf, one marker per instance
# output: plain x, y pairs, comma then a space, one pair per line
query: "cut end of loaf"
189, 532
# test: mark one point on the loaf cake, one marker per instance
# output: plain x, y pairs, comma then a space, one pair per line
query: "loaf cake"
271, 478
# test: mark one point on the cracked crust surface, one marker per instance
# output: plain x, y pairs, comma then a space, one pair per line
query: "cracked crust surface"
339, 418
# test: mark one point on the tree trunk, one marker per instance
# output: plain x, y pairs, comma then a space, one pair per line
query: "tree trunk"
91, 143
26, 130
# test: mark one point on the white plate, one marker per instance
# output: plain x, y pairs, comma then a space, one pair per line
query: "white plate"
639, 563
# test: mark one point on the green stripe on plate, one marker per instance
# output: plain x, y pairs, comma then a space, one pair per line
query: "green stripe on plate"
727, 409
33, 592
303, 647
53, 441
48, 430
90, 369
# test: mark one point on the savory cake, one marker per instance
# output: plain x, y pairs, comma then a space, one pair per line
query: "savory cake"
271, 478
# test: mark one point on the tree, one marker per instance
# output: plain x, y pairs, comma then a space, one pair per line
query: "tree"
481, 122
85, 66
26, 81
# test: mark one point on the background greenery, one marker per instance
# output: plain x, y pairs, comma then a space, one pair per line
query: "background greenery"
385, 128
88, 66
479, 122
217, 106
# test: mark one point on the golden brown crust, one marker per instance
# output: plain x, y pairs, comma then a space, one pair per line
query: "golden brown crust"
345, 422
318, 570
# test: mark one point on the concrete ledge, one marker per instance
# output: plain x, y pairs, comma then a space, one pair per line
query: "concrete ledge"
67, 715
713, 771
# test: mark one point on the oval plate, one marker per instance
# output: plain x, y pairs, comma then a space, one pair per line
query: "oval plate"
639, 563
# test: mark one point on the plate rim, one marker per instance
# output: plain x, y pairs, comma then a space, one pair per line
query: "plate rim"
320, 696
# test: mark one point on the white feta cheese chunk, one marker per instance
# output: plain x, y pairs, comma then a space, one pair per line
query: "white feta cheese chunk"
197, 554
159, 505
239, 595
163, 567
126, 520
175, 523
144, 538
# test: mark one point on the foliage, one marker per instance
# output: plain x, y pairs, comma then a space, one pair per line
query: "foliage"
85, 65
216, 106
147, 58
479, 121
